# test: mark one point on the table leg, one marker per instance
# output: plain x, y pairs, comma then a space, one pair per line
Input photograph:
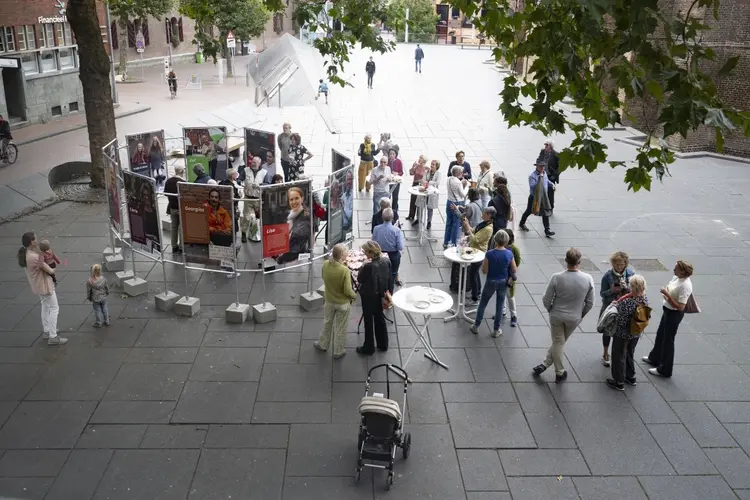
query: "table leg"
421, 236
430, 354
460, 311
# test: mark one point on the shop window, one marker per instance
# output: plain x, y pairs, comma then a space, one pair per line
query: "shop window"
29, 63
56, 110
67, 59
10, 44
73, 107
49, 61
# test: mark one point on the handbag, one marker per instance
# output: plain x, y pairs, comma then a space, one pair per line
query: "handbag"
691, 306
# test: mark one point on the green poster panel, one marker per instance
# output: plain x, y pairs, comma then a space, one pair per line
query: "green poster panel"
196, 160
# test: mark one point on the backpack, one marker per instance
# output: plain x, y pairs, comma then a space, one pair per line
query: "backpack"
640, 319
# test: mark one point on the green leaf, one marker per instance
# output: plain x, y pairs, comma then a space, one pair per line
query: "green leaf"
654, 88
729, 65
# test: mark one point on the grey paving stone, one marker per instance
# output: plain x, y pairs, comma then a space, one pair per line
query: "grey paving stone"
596, 488
683, 452
80, 475
215, 364
731, 412
247, 436
702, 425
486, 365
163, 474
32, 463
173, 333
706, 383
17, 380
550, 430
733, 464
47, 425
742, 494
421, 369
283, 348
111, 436
327, 488
650, 405
121, 333
148, 382
478, 393
588, 392
424, 404
455, 334
519, 362
235, 339
592, 424
292, 413
489, 425
216, 402
686, 488
535, 397
543, 463
534, 488
431, 471
251, 474
24, 355
481, 470
27, 488
696, 349
322, 450
133, 412
18, 338
162, 355
280, 383
6, 410
174, 436
70, 319
487, 495
741, 434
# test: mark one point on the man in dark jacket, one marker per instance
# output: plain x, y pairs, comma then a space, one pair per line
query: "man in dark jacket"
370, 70
373, 281
549, 156
377, 217
418, 56
201, 177
173, 206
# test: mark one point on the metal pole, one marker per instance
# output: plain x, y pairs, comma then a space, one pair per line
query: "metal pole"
184, 268
280, 85
111, 57
142, 78
263, 275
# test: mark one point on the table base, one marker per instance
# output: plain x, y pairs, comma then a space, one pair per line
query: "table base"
422, 224
461, 312
430, 354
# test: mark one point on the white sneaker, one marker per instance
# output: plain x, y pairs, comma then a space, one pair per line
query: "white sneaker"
57, 341
497, 333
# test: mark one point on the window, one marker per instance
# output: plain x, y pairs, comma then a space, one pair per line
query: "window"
30, 37
2, 39
67, 34
21, 39
455, 12
73, 107
49, 61
67, 60
56, 110
29, 63
10, 44
59, 37
49, 35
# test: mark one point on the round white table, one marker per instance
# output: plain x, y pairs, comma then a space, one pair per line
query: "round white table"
452, 255
422, 213
427, 302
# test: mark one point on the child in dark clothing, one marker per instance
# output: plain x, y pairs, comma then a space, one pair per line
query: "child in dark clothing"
50, 258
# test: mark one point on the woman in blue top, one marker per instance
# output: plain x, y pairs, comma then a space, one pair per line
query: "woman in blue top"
500, 267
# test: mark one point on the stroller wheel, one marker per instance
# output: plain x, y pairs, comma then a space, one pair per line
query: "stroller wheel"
357, 475
406, 445
389, 481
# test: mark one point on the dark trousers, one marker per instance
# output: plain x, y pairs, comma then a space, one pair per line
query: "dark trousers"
551, 196
395, 258
605, 338
394, 197
212, 166
375, 330
545, 219
285, 165
475, 281
413, 204
662, 355
369, 79
623, 361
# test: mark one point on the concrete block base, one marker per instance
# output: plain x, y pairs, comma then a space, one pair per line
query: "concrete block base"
135, 286
110, 251
311, 301
187, 306
321, 290
264, 313
237, 313
114, 263
122, 276
166, 301
166, 224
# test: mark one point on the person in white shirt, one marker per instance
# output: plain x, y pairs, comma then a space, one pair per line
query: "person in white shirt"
255, 177
380, 177
457, 189
676, 295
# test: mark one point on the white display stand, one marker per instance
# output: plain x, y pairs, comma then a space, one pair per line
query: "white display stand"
422, 213
452, 254
427, 302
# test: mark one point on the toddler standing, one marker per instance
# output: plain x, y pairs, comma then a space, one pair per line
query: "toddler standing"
49, 256
511, 295
97, 292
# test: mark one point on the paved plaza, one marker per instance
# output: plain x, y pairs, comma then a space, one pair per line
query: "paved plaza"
161, 407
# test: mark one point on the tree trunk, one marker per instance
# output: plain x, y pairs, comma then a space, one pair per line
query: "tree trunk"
122, 22
94, 74
228, 57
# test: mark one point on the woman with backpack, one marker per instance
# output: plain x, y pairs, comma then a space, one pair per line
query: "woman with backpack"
615, 284
633, 314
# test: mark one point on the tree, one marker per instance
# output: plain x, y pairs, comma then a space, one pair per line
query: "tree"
246, 19
124, 10
422, 19
94, 75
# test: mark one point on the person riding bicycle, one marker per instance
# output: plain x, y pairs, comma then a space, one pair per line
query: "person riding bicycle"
5, 136
172, 80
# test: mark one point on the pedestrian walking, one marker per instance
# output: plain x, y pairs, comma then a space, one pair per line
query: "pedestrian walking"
418, 56
615, 284
676, 296
97, 291
373, 281
568, 299
370, 70
538, 204
39, 276
552, 167
173, 207
338, 296
633, 314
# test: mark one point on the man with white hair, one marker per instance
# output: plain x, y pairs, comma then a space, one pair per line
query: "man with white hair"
549, 156
457, 188
377, 217
391, 241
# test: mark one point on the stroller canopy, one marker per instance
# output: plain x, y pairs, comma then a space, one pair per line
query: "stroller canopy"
383, 406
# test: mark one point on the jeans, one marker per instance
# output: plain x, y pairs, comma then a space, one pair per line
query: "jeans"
372, 312
376, 197
560, 331
529, 207
475, 281
623, 361
418, 65
490, 287
511, 305
335, 321
369, 79
174, 229
101, 313
662, 355
395, 258
452, 223
285, 165
50, 311
429, 214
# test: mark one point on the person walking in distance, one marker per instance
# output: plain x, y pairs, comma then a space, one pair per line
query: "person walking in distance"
173, 207
552, 168
339, 296
370, 70
418, 56
568, 299
538, 203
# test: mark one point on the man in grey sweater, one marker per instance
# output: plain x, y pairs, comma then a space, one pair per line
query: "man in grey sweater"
569, 297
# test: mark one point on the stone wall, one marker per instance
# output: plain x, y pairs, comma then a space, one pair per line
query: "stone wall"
45, 92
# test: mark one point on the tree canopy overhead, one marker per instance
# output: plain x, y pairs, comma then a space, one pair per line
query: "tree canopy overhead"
422, 20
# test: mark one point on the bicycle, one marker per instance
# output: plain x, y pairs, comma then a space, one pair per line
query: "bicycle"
10, 155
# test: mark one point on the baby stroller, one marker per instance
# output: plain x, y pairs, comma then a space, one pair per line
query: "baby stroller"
381, 430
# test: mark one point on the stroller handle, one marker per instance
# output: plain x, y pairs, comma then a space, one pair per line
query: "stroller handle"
394, 368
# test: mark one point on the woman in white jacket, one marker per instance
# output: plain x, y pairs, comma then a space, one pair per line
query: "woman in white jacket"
432, 178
